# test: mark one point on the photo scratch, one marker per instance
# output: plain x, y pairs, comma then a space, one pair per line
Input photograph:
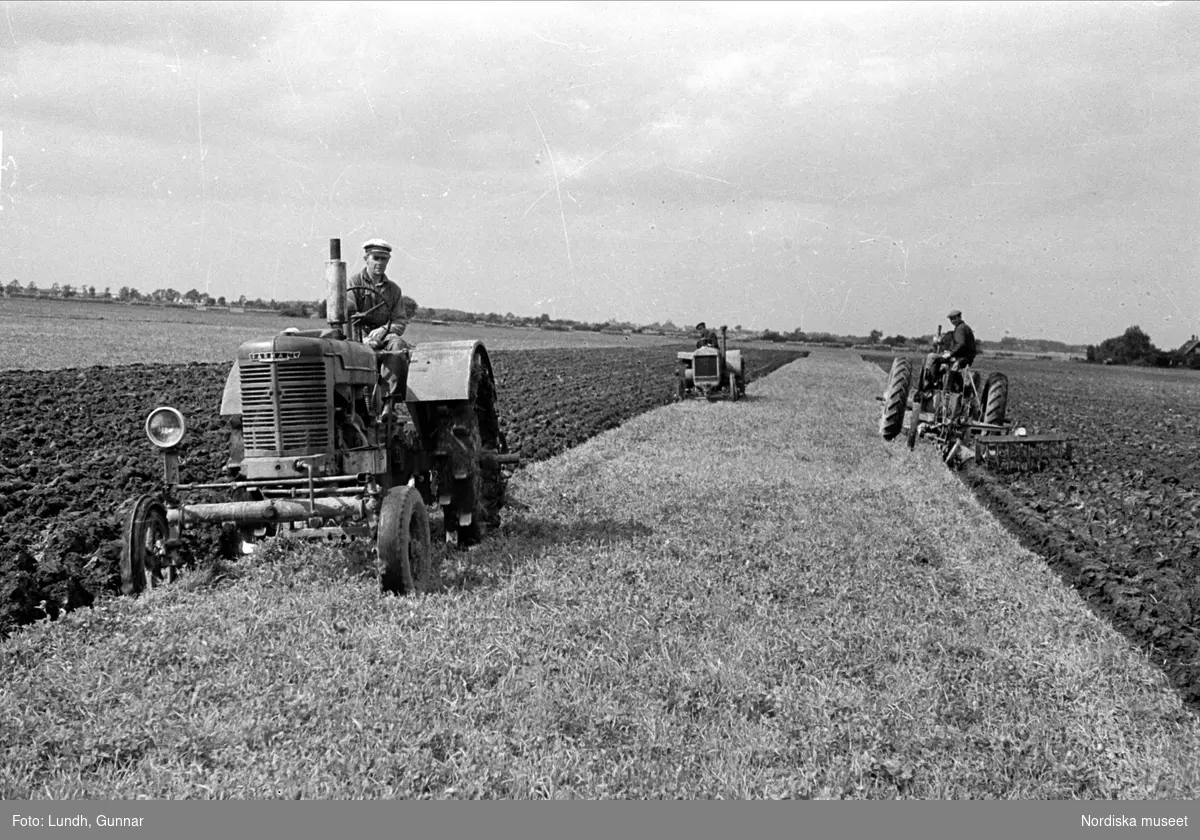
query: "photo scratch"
700, 175
557, 188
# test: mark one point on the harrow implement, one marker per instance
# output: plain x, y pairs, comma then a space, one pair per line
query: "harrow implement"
1003, 448
1019, 452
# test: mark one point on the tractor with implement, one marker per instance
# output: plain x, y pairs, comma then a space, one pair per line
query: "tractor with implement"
317, 451
966, 415
710, 372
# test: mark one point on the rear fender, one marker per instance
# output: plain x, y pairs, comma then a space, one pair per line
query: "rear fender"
441, 370
733, 361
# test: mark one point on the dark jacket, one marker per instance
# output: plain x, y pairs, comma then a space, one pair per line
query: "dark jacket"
392, 312
963, 348
709, 338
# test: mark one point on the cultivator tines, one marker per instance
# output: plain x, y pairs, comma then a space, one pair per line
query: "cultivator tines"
1021, 453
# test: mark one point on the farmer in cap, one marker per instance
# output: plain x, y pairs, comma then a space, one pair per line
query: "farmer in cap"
960, 353
375, 303
705, 336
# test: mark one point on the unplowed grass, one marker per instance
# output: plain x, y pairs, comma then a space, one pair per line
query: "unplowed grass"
758, 599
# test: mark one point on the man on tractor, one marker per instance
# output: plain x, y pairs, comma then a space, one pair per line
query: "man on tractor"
706, 337
376, 304
959, 355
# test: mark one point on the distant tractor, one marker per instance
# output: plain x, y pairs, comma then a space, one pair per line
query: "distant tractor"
316, 452
711, 372
965, 413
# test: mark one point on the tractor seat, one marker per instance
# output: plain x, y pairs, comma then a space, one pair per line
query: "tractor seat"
954, 376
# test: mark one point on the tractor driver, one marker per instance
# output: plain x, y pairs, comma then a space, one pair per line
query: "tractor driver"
960, 354
383, 314
706, 337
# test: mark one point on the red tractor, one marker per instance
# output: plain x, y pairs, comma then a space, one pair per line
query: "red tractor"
316, 453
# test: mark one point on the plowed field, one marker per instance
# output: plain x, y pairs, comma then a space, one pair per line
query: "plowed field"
1120, 521
73, 453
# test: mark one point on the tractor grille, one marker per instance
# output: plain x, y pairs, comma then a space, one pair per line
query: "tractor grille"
704, 367
284, 408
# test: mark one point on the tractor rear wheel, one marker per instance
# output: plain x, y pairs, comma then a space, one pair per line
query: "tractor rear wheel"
895, 398
995, 399
403, 542
143, 546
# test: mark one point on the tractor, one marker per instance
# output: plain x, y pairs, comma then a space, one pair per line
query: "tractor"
966, 414
316, 451
710, 372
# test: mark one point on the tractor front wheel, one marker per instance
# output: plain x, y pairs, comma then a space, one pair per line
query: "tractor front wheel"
895, 398
403, 542
143, 546
733, 386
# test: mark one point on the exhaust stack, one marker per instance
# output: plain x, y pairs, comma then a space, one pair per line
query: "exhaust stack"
335, 283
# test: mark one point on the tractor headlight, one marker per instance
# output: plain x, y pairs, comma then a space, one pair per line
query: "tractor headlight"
165, 427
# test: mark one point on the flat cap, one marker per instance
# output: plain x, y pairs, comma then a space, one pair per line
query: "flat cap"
377, 246
700, 326
954, 313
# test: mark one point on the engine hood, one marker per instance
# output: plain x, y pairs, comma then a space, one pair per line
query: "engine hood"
285, 347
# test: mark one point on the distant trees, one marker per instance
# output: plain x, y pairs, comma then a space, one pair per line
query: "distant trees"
1132, 347
1032, 345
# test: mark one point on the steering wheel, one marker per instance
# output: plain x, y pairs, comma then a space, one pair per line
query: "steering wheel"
372, 294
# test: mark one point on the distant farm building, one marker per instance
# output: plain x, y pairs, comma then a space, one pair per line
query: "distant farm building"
1190, 348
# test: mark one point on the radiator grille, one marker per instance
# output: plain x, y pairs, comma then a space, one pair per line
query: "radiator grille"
704, 367
284, 409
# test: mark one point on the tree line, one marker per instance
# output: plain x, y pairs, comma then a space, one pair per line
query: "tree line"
1134, 347
165, 297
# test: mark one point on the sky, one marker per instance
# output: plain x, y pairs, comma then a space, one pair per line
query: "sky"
825, 166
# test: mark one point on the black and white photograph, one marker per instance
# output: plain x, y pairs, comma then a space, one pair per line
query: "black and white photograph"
633, 401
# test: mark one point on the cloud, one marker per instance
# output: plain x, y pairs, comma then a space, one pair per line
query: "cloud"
670, 149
